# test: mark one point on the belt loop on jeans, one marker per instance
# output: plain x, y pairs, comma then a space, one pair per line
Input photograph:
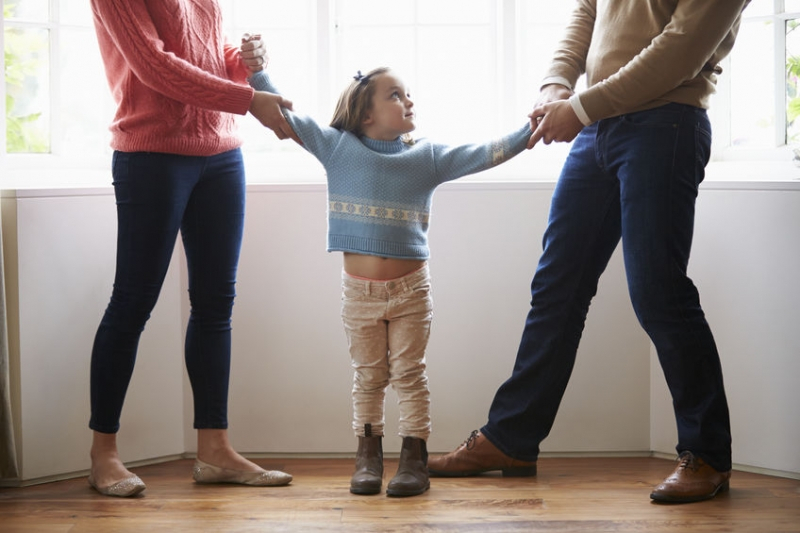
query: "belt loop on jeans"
405, 285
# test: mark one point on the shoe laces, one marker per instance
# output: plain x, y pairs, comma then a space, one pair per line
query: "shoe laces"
687, 460
470, 442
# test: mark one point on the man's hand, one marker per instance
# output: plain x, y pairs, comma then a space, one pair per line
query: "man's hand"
553, 118
253, 53
552, 93
266, 107
555, 121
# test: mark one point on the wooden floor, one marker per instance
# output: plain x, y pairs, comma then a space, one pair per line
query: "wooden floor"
573, 494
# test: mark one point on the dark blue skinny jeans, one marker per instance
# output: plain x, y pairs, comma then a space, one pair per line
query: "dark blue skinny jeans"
634, 177
157, 196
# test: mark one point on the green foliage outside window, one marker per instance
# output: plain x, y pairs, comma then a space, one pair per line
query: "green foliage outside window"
792, 94
22, 55
792, 84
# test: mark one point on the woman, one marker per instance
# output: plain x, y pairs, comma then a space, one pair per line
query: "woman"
176, 167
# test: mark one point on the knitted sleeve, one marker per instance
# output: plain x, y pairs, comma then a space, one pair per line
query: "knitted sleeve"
569, 59
318, 140
456, 161
237, 70
127, 27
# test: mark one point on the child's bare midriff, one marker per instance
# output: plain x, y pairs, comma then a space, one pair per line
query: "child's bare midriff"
379, 268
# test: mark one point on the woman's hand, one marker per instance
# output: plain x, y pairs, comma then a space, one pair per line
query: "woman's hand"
266, 107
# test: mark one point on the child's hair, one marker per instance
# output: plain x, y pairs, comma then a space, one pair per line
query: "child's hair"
356, 101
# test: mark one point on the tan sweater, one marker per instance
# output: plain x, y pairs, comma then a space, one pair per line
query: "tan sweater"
640, 54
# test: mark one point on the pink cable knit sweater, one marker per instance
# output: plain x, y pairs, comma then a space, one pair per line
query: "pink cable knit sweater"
176, 82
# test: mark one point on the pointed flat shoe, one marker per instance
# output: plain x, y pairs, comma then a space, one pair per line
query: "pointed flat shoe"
130, 486
206, 473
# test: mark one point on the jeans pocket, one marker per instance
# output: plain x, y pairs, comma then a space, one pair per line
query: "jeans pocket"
702, 141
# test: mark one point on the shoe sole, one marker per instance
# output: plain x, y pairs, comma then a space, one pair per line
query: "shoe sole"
109, 491
523, 471
402, 493
666, 498
365, 492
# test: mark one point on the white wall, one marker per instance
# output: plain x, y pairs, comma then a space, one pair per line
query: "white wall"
290, 385
65, 257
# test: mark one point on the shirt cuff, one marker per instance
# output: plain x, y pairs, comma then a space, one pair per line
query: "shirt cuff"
558, 80
575, 102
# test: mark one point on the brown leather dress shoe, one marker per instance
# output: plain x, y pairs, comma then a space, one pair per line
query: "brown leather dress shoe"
692, 481
475, 456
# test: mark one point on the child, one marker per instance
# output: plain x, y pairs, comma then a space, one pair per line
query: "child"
380, 186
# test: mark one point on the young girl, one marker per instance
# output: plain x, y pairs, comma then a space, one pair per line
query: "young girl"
380, 185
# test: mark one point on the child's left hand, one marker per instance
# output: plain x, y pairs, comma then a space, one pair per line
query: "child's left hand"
253, 52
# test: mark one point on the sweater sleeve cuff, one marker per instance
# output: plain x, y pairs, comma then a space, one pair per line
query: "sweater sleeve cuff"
240, 99
575, 102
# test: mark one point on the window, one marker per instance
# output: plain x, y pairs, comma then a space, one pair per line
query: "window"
473, 67
27, 57
758, 101
56, 96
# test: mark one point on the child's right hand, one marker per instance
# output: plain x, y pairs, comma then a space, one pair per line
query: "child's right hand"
253, 53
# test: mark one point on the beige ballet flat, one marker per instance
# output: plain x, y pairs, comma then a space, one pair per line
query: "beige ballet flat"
206, 473
130, 486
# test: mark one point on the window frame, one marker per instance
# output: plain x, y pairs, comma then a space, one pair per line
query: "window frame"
59, 168
54, 167
722, 105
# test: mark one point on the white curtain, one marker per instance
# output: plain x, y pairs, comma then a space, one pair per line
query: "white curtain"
8, 454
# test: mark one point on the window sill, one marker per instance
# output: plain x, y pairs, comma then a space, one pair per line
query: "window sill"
299, 169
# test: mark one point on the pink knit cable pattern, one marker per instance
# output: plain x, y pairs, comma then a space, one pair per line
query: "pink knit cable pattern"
165, 60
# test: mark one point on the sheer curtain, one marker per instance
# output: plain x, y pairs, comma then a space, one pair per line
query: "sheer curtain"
8, 454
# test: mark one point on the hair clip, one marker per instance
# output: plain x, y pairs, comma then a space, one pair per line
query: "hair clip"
360, 77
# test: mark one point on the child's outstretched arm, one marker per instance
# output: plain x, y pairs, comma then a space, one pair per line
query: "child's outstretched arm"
456, 161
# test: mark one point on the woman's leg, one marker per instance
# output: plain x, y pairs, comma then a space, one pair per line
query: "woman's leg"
151, 192
211, 230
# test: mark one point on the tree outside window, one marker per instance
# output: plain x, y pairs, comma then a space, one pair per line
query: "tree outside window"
792, 81
26, 61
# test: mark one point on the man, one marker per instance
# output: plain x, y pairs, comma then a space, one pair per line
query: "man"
642, 140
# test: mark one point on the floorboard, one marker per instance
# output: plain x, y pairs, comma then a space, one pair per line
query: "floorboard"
567, 495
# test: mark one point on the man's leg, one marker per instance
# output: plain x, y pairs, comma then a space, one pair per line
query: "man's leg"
660, 157
583, 231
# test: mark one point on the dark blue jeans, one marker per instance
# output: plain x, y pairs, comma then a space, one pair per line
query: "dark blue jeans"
634, 177
157, 196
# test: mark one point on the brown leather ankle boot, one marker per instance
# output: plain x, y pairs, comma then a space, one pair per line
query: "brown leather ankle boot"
412, 472
368, 476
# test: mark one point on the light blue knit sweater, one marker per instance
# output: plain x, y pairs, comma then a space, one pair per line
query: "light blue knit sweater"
380, 192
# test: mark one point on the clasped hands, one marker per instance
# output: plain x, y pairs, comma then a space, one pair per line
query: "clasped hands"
266, 107
552, 118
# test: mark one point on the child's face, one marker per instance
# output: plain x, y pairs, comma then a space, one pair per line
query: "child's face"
392, 113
